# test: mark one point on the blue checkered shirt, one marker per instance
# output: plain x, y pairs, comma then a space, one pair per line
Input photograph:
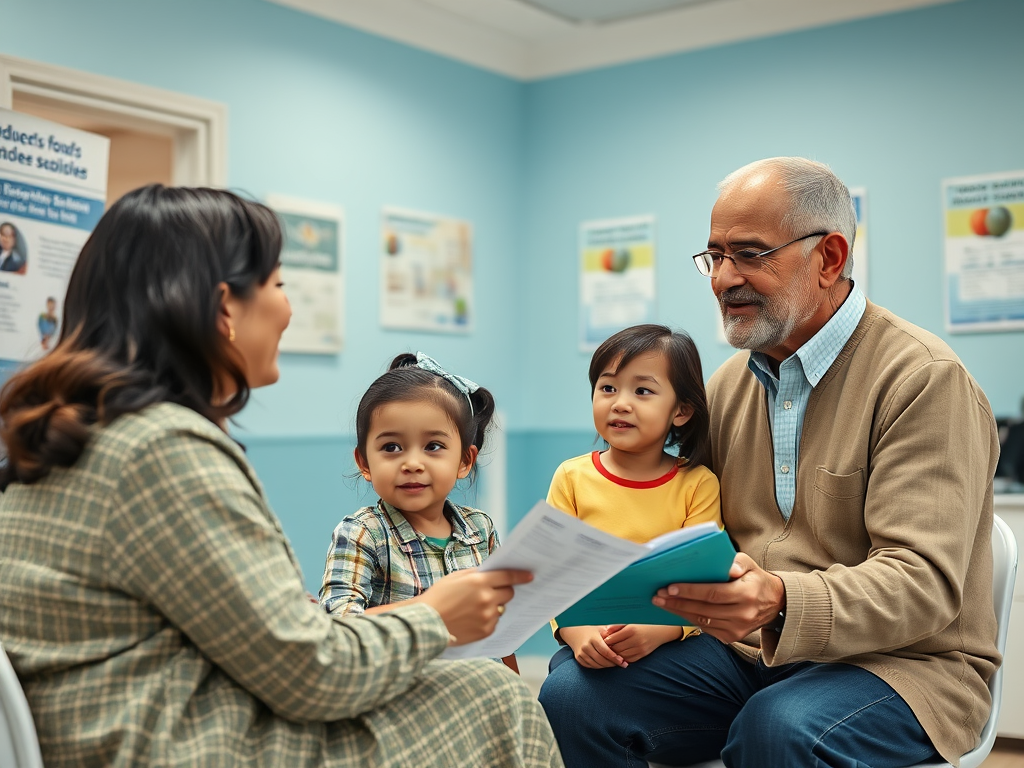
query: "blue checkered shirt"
789, 392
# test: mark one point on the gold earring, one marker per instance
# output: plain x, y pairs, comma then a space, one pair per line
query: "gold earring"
231, 333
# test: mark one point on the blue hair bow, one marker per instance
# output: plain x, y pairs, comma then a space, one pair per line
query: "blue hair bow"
461, 383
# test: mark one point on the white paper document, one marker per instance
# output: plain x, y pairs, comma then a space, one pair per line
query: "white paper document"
678, 537
568, 559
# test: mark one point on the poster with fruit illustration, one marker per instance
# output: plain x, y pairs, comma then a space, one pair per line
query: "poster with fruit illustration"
984, 278
616, 277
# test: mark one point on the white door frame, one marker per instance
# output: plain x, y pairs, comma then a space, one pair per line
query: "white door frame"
197, 126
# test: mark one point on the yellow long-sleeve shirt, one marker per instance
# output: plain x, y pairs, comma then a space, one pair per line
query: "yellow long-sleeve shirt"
637, 511
634, 510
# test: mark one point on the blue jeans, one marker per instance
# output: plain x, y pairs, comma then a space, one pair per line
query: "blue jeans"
699, 700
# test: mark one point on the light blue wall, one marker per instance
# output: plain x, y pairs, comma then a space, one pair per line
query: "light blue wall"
331, 114
894, 103
327, 113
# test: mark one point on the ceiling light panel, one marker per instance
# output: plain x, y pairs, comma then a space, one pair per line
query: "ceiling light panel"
601, 11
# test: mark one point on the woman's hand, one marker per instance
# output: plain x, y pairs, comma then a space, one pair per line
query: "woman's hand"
589, 647
634, 641
471, 601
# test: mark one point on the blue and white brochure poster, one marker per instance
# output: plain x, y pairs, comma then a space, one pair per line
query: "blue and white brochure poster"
984, 280
53, 188
616, 277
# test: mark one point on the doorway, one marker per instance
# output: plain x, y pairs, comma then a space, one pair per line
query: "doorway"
155, 135
136, 157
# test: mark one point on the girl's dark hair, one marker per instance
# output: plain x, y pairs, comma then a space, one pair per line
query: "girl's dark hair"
140, 322
404, 381
684, 371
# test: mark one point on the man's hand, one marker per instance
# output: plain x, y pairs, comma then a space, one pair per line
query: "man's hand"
589, 647
634, 641
751, 598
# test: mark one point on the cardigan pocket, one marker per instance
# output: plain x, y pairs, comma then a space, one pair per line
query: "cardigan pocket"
837, 515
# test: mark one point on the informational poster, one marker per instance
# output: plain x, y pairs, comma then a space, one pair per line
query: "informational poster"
426, 272
616, 277
311, 268
984, 222
860, 240
53, 187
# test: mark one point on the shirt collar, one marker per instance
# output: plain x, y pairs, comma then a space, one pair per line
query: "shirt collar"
462, 529
818, 353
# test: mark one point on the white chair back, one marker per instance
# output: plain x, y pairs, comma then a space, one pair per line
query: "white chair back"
19, 745
1004, 574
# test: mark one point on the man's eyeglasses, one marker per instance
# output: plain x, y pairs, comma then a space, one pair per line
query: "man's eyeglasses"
745, 262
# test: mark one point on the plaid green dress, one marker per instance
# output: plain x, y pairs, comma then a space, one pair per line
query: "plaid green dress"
156, 616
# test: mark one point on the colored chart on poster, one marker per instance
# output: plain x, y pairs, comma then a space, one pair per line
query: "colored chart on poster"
426, 272
984, 259
616, 277
53, 188
311, 268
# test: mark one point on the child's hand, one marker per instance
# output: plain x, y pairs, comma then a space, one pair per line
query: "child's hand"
634, 641
589, 647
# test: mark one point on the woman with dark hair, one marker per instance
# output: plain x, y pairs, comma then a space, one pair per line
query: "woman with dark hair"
151, 604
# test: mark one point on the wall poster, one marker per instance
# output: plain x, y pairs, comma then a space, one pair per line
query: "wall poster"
984, 229
616, 277
311, 268
859, 196
53, 189
426, 272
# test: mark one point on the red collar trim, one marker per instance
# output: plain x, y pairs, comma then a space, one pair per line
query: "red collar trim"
596, 456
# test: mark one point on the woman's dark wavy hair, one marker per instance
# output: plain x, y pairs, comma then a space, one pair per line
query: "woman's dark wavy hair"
140, 323
693, 438
404, 381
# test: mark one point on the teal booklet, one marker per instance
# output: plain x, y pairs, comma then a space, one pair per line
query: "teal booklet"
699, 554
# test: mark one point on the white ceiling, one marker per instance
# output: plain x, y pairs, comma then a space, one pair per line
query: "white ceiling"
534, 39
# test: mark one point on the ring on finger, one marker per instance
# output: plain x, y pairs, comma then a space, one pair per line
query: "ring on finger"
706, 621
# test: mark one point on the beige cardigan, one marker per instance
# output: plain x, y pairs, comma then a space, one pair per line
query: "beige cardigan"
887, 557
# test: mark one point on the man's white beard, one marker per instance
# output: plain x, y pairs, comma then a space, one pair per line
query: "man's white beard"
776, 318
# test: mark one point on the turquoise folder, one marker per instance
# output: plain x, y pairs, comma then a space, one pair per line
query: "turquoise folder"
626, 597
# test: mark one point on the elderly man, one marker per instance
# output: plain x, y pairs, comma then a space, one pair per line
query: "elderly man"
856, 457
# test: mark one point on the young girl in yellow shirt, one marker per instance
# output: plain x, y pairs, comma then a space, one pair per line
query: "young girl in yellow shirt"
651, 409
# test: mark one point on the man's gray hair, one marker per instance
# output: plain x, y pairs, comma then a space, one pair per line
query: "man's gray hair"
818, 200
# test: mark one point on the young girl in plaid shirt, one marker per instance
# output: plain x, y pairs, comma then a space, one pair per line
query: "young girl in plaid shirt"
419, 429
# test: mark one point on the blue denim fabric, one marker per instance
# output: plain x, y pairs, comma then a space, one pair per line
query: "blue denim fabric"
698, 700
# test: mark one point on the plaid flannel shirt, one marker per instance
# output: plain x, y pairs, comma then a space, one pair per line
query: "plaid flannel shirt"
378, 558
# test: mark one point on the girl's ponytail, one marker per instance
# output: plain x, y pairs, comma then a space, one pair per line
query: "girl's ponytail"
483, 412
404, 360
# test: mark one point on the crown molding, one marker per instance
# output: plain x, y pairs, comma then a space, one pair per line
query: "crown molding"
525, 43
